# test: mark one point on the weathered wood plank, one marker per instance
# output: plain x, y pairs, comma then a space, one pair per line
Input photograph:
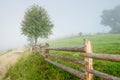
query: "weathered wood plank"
72, 49
102, 75
47, 50
88, 61
68, 59
68, 69
108, 57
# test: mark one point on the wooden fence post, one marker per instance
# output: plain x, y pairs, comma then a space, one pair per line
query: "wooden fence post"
40, 49
46, 50
88, 61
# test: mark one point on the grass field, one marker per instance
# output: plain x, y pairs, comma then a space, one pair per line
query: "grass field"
107, 43
34, 67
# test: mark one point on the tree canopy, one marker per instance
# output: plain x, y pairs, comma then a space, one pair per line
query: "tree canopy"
36, 23
111, 18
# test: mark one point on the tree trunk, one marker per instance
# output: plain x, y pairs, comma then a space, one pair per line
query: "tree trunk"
36, 41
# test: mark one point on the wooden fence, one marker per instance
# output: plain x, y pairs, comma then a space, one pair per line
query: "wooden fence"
86, 52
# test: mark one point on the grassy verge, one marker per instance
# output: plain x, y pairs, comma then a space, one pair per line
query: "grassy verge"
34, 67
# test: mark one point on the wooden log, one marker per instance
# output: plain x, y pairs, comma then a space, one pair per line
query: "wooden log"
40, 49
68, 69
108, 57
47, 50
102, 75
88, 61
72, 49
68, 59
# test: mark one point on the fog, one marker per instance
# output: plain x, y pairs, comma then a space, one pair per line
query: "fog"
68, 16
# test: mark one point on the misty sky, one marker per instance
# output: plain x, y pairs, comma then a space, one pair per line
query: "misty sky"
68, 16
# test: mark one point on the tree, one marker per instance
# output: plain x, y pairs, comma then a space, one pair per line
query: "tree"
80, 33
36, 23
111, 18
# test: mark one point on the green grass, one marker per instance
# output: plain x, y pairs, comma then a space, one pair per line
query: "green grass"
106, 43
34, 67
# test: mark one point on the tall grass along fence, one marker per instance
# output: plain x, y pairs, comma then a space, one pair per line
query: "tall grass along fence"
86, 52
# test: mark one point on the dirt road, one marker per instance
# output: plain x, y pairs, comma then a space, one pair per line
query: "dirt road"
9, 59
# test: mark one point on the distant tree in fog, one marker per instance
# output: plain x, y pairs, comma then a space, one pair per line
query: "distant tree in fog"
111, 18
80, 33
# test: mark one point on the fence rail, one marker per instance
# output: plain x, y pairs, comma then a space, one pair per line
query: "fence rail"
72, 49
68, 59
68, 69
108, 57
86, 52
102, 75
